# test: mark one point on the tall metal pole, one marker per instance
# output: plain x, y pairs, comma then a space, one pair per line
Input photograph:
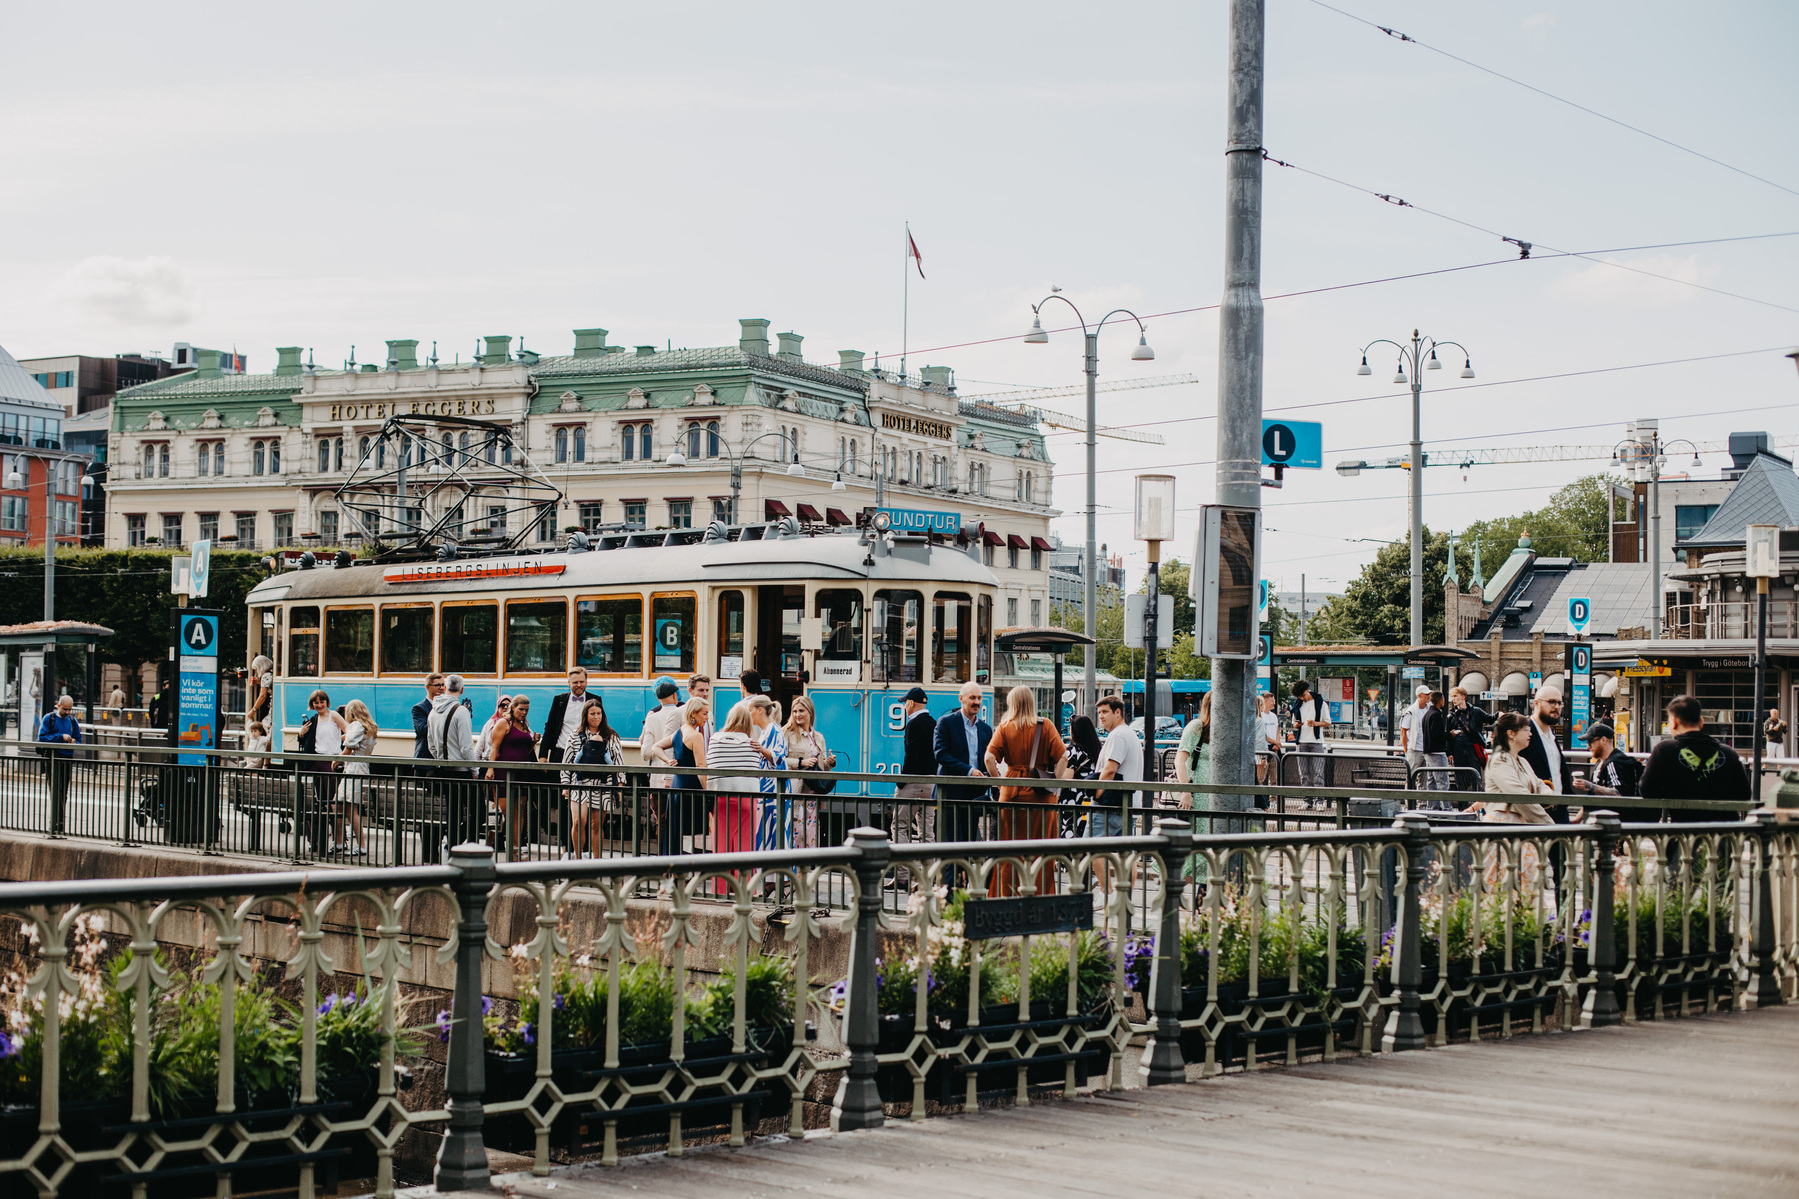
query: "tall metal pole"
49, 539
1090, 580
1417, 496
1151, 609
1655, 536
1761, 680
1239, 456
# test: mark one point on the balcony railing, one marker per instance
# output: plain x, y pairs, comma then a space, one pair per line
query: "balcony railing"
1728, 620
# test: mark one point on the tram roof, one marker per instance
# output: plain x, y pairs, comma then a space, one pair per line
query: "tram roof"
825, 557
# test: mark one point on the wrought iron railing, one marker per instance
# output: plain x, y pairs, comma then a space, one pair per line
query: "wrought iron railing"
258, 1030
1728, 620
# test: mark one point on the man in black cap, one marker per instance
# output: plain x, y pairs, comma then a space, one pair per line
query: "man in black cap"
1613, 772
914, 817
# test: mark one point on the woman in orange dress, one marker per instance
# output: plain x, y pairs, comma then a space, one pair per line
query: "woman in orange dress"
1024, 745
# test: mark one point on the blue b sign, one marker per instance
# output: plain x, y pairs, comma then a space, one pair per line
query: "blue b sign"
668, 643
197, 690
1580, 614
1293, 443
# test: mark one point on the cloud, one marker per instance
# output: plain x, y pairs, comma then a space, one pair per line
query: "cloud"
132, 291
1538, 25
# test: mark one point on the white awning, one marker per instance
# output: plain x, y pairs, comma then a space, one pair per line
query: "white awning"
1474, 682
1608, 688
1515, 683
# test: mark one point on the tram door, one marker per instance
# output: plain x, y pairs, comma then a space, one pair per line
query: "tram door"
778, 658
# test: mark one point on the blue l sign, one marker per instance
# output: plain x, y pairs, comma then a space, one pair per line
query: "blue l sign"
1293, 443
1580, 614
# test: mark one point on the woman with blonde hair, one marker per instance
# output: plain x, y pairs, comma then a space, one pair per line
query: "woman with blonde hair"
1024, 746
806, 750
684, 804
360, 731
736, 792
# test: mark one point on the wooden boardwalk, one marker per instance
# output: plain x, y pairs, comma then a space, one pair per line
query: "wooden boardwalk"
1694, 1107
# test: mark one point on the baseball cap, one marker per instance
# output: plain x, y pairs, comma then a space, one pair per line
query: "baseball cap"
1601, 728
1423, 689
917, 695
665, 687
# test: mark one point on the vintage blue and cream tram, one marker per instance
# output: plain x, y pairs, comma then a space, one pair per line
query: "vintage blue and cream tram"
852, 619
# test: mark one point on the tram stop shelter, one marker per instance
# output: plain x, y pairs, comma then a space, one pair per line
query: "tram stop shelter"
48, 635
1393, 659
1051, 641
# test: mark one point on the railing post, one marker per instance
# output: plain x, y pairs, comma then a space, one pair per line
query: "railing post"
462, 1156
1764, 987
1601, 1008
1405, 1030
858, 1102
1162, 1060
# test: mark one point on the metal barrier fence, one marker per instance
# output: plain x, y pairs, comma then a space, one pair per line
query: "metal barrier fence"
1002, 969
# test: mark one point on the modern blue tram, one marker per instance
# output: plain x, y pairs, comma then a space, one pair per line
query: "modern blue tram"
851, 619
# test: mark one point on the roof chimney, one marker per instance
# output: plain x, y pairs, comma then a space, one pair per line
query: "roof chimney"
402, 355
755, 336
289, 360
590, 343
645, 351
1745, 446
209, 365
790, 347
850, 362
938, 376
499, 351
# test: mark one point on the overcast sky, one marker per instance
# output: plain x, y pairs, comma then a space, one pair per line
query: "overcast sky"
336, 175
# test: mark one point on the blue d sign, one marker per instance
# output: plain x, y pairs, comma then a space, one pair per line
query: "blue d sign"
1293, 443
1580, 614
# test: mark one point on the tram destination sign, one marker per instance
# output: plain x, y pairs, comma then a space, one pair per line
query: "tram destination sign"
924, 520
443, 572
1027, 915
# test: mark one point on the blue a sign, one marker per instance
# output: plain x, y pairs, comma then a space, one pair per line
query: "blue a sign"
1293, 443
199, 577
924, 520
1580, 614
197, 686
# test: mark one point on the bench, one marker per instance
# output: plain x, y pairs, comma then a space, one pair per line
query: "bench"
259, 793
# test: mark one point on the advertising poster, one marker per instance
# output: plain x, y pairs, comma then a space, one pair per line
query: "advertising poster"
197, 686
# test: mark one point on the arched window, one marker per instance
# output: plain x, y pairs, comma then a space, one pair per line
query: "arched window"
205, 458
852, 455
711, 439
580, 443
693, 439
380, 453
628, 445
324, 456
646, 443
274, 457
362, 448
461, 445
256, 458
149, 461
491, 449
562, 445
449, 445
794, 437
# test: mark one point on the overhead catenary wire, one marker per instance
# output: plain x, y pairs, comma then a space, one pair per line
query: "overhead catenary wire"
1622, 124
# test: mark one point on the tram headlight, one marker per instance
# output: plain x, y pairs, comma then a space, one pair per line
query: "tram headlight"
882, 522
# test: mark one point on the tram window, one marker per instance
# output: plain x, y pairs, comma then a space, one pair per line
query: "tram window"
303, 642
609, 635
952, 637
983, 637
672, 618
897, 615
730, 634
407, 635
841, 611
471, 638
349, 640
537, 637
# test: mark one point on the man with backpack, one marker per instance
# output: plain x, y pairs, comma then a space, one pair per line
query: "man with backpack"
449, 736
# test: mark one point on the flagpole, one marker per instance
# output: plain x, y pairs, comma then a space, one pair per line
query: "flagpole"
906, 299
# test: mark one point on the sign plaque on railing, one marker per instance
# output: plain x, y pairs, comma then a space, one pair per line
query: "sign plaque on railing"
1026, 916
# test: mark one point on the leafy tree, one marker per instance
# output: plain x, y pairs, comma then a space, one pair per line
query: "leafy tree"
1573, 524
1377, 605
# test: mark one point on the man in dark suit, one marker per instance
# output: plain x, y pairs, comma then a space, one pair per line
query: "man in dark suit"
565, 707
960, 746
1544, 753
421, 716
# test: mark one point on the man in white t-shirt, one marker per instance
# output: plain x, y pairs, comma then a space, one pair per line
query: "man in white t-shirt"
1411, 729
1311, 716
1120, 757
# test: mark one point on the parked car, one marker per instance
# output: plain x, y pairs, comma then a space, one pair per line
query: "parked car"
1168, 729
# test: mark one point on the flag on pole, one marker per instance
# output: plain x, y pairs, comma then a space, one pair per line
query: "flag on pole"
912, 251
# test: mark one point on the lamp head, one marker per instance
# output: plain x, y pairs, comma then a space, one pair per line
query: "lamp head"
1350, 468
1364, 369
797, 471
1036, 336
87, 480
1467, 368
677, 458
1399, 375
14, 480
838, 484
1142, 353
1433, 364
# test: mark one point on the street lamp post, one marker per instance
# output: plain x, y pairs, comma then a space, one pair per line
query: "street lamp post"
17, 480
1154, 522
1420, 353
736, 457
1645, 450
1090, 564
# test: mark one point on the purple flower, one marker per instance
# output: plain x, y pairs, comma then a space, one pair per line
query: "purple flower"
840, 991
443, 1025
10, 1046
529, 1033
330, 1002
559, 1002
486, 1005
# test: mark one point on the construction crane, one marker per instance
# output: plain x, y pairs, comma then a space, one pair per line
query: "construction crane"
1019, 401
1527, 453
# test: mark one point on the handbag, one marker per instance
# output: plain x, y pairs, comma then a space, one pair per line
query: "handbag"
1034, 771
822, 786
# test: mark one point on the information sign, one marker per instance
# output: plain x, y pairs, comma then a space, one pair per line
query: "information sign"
1293, 443
197, 686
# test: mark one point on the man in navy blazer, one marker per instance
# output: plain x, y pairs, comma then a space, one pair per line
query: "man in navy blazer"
955, 760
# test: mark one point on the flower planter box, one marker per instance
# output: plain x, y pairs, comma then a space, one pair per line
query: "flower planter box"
98, 1125
1490, 1012
581, 1128
1270, 1040
947, 1080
